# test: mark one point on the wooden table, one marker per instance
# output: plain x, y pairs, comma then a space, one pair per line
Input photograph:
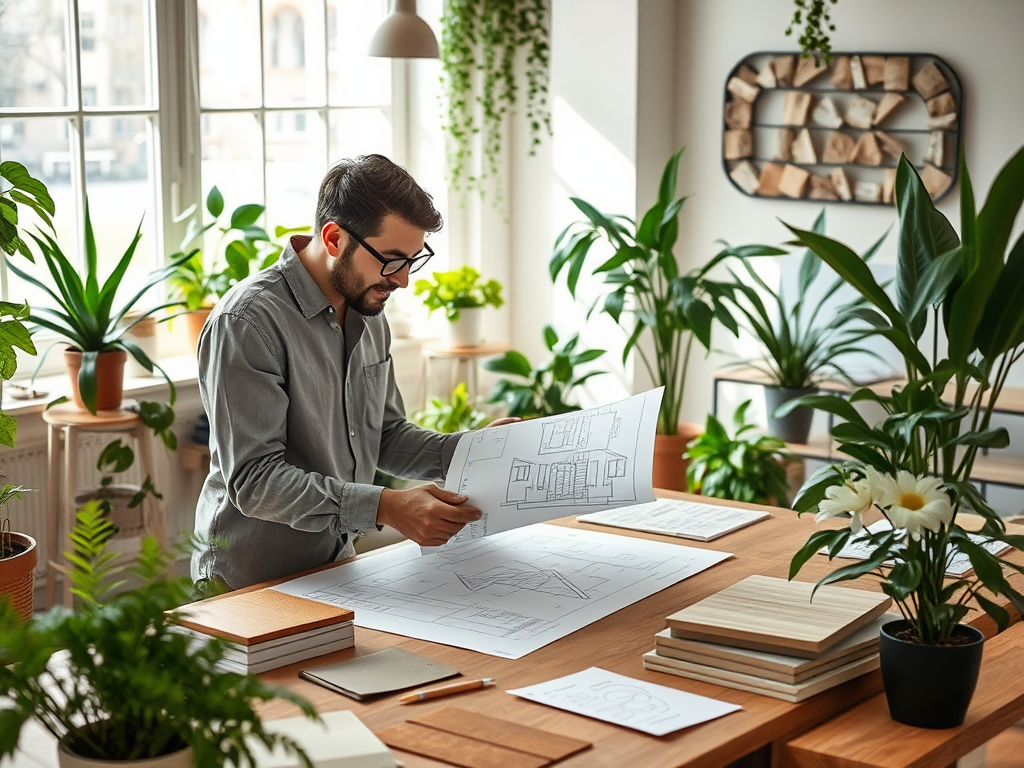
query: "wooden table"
616, 643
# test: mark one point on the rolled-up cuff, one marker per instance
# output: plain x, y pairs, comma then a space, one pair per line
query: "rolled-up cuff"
358, 508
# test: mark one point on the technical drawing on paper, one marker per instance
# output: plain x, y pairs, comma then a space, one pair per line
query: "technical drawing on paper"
505, 595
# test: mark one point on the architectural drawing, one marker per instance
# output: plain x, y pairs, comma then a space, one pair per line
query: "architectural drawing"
505, 595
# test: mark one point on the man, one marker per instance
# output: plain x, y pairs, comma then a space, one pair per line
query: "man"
298, 383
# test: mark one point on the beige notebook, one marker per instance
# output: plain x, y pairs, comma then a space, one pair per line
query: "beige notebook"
377, 673
251, 618
770, 614
787, 692
341, 741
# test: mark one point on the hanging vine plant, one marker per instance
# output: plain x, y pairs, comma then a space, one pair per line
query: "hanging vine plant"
481, 43
816, 17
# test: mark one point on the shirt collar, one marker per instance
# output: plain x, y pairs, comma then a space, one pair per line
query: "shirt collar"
307, 293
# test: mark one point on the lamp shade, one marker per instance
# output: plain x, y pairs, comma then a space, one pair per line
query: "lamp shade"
404, 35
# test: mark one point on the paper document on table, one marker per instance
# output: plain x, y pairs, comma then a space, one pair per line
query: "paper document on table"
858, 548
675, 517
505, 595
539, 469
653, 709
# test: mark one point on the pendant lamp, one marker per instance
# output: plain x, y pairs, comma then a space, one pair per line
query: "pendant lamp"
404, 35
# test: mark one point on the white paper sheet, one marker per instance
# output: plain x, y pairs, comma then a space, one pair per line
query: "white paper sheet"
653, 709
857, 548
505, 595
541, 469
674, 517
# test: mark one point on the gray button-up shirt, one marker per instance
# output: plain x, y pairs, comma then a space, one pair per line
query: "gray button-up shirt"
302, 411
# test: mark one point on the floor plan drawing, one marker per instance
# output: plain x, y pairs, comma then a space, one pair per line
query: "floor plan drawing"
537, 470
505, 595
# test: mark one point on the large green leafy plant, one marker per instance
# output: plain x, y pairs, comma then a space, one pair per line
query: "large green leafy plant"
644, 281
798, 348
456, 414
462, 288
914, 467
200, 279
113, 681
741, 466
482, 43
83, 310
546, 389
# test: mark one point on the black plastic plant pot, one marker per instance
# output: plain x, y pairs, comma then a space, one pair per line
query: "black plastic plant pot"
795, 427
929, 686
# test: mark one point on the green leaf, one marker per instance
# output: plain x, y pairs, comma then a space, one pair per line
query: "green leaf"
215, 202
550, 337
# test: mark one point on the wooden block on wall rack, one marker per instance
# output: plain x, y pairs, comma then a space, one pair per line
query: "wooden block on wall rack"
783, 144
885, 107
838, 148
942, 104
888, 185
766, 77
821, 188
803, 149
860, 112
807, 70
826, 113
867, 191
738, 144
867, 151
741, 89
771, 175
935, 181
793, 181
795, 108
874, 69
745, 176
897, 73
841, 76
936, 152
841, 184
738, 113
890, 145
941, 122
783, 67
929, 82
857, 73
746, 74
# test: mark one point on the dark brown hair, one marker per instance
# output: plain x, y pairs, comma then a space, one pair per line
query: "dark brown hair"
359, 193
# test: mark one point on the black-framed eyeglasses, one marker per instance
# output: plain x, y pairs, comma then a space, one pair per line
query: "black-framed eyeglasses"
391, 266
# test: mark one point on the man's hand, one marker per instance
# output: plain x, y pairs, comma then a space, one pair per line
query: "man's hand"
428, 515
503, 421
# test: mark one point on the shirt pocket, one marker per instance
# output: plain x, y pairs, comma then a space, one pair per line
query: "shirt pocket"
375, 381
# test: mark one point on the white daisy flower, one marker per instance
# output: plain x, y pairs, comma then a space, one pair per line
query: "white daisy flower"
913, 503
852, 497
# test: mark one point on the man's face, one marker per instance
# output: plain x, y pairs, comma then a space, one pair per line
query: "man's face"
355, 274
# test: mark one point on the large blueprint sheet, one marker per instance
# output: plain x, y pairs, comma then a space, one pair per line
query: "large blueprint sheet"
505, 595
541, 469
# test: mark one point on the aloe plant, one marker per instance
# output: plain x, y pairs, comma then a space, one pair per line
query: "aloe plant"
83, 310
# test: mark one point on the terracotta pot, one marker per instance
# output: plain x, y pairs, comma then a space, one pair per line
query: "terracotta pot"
669, 464
180, 759
194, 322
17, 575
109, 377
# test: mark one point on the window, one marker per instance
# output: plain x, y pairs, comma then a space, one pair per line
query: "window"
84, 114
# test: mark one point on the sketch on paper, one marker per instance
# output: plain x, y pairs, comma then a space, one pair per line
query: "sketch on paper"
504, 595
541, 469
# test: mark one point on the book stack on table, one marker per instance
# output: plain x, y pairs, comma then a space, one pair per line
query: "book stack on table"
266, 629
767, 636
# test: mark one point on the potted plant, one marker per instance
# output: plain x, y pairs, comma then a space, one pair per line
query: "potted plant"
456, 414
84, 314
18, 560
798, 349
115, 683
740, 466
200, 279
546, 389
674, 308
914, 468
461, 293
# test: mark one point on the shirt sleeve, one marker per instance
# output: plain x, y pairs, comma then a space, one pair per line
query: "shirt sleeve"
242, 383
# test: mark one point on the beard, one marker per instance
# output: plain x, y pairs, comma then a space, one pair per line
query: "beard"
357, 295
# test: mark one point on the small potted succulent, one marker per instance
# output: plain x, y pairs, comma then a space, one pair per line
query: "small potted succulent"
461, 293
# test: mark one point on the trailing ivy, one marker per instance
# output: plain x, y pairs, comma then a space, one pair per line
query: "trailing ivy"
481, 44
816, 17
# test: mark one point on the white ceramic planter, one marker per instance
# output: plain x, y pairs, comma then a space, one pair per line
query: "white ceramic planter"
179, 759
465, 332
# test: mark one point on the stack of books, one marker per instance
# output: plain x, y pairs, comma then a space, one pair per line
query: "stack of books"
266, 629
767, 636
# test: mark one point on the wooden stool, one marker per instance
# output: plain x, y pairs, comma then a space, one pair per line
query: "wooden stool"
66, 422
459, 356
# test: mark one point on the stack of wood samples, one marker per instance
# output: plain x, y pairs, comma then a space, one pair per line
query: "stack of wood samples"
767, 636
